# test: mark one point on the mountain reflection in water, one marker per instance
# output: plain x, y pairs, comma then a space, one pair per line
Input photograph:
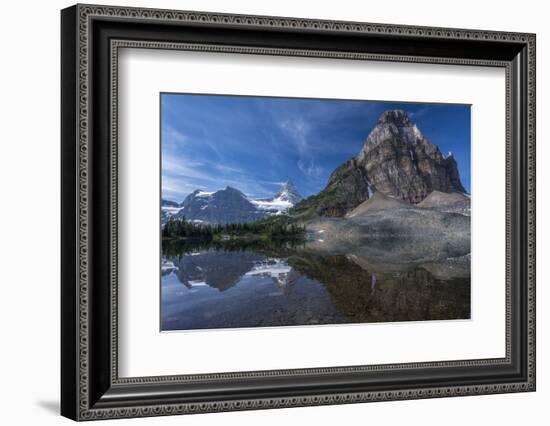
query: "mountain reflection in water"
212, 287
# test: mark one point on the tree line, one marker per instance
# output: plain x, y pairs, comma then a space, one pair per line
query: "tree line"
181, 228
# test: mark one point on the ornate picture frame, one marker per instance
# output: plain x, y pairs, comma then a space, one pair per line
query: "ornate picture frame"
91, 37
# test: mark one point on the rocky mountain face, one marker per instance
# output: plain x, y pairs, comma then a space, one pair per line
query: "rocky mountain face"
400, 161
347, 187
396, 160
350, 186
228, 205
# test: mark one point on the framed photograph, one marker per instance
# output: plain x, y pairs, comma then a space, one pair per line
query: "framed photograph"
263, 212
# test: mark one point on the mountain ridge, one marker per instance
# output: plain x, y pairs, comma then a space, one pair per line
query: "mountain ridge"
229, 205
396, 160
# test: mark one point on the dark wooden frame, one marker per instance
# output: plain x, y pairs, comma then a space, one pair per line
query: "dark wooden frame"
91, 37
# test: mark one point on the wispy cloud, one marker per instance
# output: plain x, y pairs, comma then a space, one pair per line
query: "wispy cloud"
182, 175
183, 167
297, 130
172, 137
309, 168
224, 168
418, 113
175, 189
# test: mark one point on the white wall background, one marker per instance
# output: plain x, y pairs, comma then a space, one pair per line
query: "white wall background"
29, 213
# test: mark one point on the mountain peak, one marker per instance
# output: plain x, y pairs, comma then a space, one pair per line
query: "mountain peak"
232, 190
285, 198
288, 184
227, 205
401, 162
288, 192
396, 116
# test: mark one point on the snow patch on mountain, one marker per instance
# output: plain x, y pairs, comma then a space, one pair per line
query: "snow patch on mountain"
276, 206
168, 209
171, 210
200, 193
283, 200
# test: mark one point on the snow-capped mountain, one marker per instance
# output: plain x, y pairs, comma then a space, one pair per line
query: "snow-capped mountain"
288, 193
229, 205
168, 209
287, 197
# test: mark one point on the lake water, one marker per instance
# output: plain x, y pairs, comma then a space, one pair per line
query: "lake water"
206, 287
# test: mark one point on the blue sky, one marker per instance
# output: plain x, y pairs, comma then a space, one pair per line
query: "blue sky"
254, 144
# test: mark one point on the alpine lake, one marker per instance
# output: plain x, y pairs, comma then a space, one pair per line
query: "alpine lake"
236, 284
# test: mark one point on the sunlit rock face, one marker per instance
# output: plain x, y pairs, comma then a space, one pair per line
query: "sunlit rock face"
400, 161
